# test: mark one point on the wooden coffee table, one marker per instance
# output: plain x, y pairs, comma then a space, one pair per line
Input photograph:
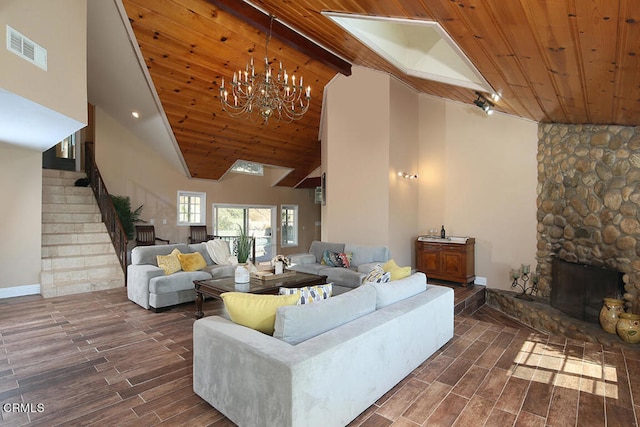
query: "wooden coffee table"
214, 287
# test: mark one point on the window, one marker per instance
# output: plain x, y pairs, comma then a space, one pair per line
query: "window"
191, 208
258, 220
289, 224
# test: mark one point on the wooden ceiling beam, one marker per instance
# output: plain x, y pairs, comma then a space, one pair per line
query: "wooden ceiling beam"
257, 19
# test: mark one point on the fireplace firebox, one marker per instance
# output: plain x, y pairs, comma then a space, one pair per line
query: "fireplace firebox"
578, 289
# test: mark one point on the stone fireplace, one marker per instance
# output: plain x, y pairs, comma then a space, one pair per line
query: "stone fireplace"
589, 201
588, 211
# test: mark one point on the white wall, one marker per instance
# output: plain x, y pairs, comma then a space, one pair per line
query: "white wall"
21, 216
484, 173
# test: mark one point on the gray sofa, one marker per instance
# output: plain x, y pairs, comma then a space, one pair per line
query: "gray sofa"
149, 287
317, 377
344, 279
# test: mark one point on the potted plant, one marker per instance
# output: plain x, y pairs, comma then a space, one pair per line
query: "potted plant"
243, 246
128, 218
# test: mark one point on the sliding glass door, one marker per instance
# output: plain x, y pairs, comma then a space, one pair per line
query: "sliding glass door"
259, 221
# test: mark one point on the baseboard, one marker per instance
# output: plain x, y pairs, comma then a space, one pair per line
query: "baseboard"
19, 291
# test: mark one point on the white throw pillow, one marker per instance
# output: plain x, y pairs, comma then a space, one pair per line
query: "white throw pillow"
218, 250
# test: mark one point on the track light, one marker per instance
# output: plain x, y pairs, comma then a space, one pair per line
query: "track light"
482, 102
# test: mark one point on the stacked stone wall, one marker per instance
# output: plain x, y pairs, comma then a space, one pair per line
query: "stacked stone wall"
588, 205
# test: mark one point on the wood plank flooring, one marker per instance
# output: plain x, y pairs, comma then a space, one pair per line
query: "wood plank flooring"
99, 359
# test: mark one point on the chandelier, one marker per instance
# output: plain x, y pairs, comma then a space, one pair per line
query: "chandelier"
271, 94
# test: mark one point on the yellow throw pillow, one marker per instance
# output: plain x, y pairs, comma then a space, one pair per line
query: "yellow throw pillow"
169, 263
192, 262
256, 311
396, 271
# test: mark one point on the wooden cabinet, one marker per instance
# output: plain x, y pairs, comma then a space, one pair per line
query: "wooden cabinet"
453, 262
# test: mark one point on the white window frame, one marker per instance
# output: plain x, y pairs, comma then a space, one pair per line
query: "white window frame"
203, 208
296, 222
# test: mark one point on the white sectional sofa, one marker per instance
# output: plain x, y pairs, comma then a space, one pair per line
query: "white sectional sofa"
332, 359
149, 287
364, 258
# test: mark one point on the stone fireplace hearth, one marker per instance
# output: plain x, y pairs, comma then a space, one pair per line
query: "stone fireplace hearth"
539, 315
588, 205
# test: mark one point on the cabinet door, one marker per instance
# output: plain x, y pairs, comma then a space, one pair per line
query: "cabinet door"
431, 260
427, 258
453, 264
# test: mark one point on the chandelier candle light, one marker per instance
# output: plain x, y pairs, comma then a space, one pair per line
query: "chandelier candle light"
273, 95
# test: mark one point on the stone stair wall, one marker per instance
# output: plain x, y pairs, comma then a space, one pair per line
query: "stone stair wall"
77, 253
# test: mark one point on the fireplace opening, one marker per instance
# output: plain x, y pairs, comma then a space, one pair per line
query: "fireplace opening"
578, 289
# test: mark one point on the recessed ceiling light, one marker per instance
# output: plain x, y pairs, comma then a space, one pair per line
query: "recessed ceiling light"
135, 114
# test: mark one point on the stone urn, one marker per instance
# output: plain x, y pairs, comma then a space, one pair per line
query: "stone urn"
628, 327
609, 313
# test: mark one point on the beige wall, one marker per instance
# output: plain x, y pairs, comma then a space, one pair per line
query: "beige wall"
60, 27
478, 177
21, 214
357, 158
131, 168
371, 135
403, 192
477, 173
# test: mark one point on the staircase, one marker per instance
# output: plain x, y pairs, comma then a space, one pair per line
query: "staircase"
77, 253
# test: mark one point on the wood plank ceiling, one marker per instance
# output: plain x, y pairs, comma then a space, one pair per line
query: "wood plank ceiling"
562, 61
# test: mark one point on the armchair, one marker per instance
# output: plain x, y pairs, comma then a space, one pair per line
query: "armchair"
198, 234
146, 236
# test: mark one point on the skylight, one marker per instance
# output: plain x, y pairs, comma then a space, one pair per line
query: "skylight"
418, 48
246, 167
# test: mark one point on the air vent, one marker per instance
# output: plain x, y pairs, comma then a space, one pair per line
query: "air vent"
26, 48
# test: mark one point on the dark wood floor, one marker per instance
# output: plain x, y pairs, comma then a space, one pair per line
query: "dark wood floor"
98, 359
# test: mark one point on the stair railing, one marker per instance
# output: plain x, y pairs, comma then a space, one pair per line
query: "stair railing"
107, 209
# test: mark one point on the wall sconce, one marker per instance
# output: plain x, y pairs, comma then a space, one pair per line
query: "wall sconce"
482, 102
407, 175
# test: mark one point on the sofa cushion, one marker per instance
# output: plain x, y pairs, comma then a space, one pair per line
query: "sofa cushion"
169, 263
298, 323
180, 281
336, 259
367, 254
394, 291
377, 275
309, 294
343, 276
148, 254
317, 269
317, 248
218, 271
396, 271
255, 311
202, 249
192, 262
